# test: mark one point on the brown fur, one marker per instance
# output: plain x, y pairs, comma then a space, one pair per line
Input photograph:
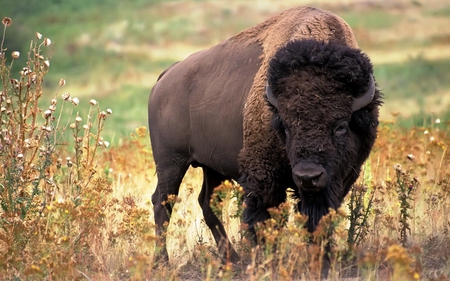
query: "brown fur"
296, 23
293, 24
260, 142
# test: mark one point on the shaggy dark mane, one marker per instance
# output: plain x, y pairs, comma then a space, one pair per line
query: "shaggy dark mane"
345, 68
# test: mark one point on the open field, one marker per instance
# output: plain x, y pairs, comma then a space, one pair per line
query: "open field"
89, 217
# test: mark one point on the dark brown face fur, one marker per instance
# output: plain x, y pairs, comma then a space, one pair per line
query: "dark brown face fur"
326, 143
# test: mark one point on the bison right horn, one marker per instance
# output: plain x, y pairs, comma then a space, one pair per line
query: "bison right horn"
365, 99
270, 96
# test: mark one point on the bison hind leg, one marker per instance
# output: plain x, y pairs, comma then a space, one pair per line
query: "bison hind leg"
212, 179
170, 175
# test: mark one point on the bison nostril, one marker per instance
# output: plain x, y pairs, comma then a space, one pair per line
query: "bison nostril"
310, 176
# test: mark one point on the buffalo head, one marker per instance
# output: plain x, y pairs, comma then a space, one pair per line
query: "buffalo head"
325, 111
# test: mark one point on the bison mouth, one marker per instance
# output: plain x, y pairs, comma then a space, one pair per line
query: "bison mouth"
316, 201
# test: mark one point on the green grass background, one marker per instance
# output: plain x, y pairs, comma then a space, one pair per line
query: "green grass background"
103, 48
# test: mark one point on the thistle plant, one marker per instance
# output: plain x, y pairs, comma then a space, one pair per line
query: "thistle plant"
49, 209
360, 203
405, 188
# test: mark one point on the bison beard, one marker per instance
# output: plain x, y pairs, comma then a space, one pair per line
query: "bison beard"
315, 206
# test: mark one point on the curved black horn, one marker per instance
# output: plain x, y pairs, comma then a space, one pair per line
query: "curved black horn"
270, 96
365, 99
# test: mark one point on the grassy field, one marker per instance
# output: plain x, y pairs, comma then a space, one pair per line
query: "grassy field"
89, 216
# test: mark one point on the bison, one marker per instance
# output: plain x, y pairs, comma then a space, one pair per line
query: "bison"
289, 103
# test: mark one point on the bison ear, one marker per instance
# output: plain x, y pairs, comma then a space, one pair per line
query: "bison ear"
273, 101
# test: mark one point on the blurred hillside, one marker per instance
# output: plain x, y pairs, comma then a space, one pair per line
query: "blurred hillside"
114, 50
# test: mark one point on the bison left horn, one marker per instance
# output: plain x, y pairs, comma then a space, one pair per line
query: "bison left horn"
365, 99
270, 96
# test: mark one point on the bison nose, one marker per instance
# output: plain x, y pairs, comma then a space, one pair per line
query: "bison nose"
309, 176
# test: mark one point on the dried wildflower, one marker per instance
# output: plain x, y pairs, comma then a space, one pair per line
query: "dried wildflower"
78, 119
410, 157
47, 113
93, 102
432, 139
86, 127
438, 121
47, 42
103, 114
75, 101
425, 132
66, 96
38, 35
15, 54
62, 82
72, 126
398, 167
53, 101
52, 107
47, 63
48, 128
7, 21
106, 143
20, 156
141, 131
109, 111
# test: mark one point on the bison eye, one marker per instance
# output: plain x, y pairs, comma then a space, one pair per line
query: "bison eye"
286, 129
341, 128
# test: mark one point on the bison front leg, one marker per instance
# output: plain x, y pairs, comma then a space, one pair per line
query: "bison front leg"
260, 195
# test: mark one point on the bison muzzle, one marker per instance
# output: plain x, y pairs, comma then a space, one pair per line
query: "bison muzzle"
289, 103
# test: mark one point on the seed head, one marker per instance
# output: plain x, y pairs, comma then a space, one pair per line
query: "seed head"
410, 157
7, 21
15, 55
105, 143
62, 82
48, 113
93, 102
75, 101
38, 35
398, 167
438, 121
109, 111
78, 119
20, 156
47, 42
65, 96
86, 127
